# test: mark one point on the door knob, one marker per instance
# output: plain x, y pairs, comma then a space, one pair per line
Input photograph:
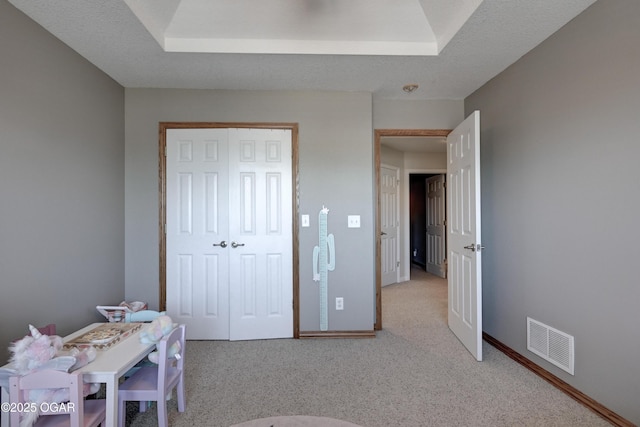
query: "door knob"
235, 245
475, 247
222, 244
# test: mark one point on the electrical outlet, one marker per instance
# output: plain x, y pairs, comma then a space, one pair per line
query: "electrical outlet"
339, 303
353, 221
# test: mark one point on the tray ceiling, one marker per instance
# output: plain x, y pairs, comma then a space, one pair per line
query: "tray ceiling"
449, 48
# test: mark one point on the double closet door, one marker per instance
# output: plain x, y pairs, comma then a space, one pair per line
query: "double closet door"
229, 255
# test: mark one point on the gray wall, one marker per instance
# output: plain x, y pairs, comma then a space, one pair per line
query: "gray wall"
336, 170
561, 199
417, 114
61, 183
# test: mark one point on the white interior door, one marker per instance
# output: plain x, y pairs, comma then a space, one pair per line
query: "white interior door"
197, 188
229, 236
464, 243
436, 233
389, 224
261, 253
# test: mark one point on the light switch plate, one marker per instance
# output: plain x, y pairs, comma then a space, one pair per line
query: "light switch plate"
305, 220
353, 221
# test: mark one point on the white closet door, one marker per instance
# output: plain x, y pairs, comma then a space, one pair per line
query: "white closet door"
197, 189
229, 232
260, 222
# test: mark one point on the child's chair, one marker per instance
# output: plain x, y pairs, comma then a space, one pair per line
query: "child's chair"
49, 329
155, 383
77, 412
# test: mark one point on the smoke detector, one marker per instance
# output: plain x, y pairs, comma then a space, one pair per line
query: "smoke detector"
410, 88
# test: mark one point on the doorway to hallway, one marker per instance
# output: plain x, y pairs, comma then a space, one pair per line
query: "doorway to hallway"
424, 143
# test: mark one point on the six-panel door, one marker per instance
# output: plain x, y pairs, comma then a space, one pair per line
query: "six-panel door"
229, 232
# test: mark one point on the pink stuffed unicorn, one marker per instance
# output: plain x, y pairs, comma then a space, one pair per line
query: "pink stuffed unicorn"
37, 352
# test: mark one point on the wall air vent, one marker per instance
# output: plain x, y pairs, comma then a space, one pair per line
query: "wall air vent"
551, 344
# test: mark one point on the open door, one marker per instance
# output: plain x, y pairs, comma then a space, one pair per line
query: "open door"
465, 249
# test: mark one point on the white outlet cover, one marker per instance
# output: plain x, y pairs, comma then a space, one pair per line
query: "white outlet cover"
353, 221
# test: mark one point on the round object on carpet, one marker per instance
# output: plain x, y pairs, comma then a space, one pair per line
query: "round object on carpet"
296, 421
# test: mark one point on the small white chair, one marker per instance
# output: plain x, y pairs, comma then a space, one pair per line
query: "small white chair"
77, 412
155, 383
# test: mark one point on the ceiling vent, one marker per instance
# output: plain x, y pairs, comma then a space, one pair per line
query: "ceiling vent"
551, 344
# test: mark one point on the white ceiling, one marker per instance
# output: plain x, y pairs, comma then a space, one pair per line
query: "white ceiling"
353, 27
448, 47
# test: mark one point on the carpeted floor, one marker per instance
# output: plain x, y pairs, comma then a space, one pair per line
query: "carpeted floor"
296, 421
414, 373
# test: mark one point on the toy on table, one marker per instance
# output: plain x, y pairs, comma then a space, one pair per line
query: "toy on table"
157, 329
142, 316
122, 312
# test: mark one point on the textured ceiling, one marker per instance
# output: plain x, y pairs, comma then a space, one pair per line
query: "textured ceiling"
467, 53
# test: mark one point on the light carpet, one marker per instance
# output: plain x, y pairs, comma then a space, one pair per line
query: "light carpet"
296, 421
414, 373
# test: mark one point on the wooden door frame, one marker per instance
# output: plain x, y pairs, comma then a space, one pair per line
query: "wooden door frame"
162, 202
378, 134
